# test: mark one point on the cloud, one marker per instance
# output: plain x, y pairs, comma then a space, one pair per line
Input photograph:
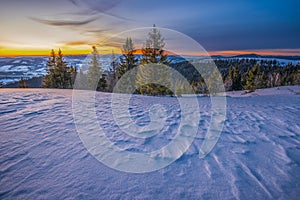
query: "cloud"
74, 2
101, 7
77, 43
98, 31
62, 22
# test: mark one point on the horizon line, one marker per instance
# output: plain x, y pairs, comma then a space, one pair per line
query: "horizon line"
225, 53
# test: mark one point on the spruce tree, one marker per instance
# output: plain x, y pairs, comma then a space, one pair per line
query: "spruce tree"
102, 86
250, 78
22, 83
153, 51
127, 60
153, 54
236, 79
81, 80
59, 75
213, 83
49, 79
113, 73
179, 89
94, 71
229, 80
72, 76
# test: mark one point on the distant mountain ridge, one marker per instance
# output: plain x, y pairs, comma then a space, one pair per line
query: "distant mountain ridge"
257, 56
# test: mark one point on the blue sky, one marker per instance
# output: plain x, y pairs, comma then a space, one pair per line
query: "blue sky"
217, 25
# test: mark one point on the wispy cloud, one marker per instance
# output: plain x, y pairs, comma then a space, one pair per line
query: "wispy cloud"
74, 2
100, 7
77, 43
63, 22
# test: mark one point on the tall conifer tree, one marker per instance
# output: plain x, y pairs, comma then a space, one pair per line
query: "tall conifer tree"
153, 53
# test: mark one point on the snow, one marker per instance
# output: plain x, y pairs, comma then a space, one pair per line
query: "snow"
5, 68
283, 90
9, 80
256, 157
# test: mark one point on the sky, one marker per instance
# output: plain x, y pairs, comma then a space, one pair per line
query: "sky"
33, 27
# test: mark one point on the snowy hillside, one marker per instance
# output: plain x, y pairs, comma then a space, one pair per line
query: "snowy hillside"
256, 157
13, 68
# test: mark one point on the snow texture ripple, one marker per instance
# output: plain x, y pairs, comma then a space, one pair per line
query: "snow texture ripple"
42, 156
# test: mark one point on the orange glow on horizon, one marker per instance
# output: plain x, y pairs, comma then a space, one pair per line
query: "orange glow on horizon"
9, 52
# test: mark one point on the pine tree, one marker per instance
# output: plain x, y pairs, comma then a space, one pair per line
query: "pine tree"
153, 52
236, 79
250, 78
296, 77
81, 80
179, 88
22, 83
61, 72
127, 60
127, 63
229, 80
262, 83
154, 55
59, 75
102, 86
94, 71
213, 82
113, 73
49, 79
72, 75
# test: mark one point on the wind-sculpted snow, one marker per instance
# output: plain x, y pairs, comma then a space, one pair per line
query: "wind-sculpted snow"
43, 157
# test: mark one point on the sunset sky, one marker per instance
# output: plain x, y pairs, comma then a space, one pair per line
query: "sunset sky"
33, 27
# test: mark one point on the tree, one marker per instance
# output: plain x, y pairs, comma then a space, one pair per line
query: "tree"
62, 78
59, 75
22, 83
127, 60
72, 76
179, 88
127, 63
49, 79
229, 80
102, 86
296, 77
113, 73
261, 81
250, 78
94, 71
236, 85
213, 83
153, 53
81, 80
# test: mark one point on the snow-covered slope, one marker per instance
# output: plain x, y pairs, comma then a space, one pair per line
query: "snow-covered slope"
283, 90
42, 156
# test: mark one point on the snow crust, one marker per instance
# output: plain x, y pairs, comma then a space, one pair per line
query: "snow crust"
256, 157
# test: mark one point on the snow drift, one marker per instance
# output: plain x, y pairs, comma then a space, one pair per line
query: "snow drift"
256, 157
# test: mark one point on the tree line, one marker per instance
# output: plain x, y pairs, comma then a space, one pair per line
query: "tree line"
236, 74
242, 74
